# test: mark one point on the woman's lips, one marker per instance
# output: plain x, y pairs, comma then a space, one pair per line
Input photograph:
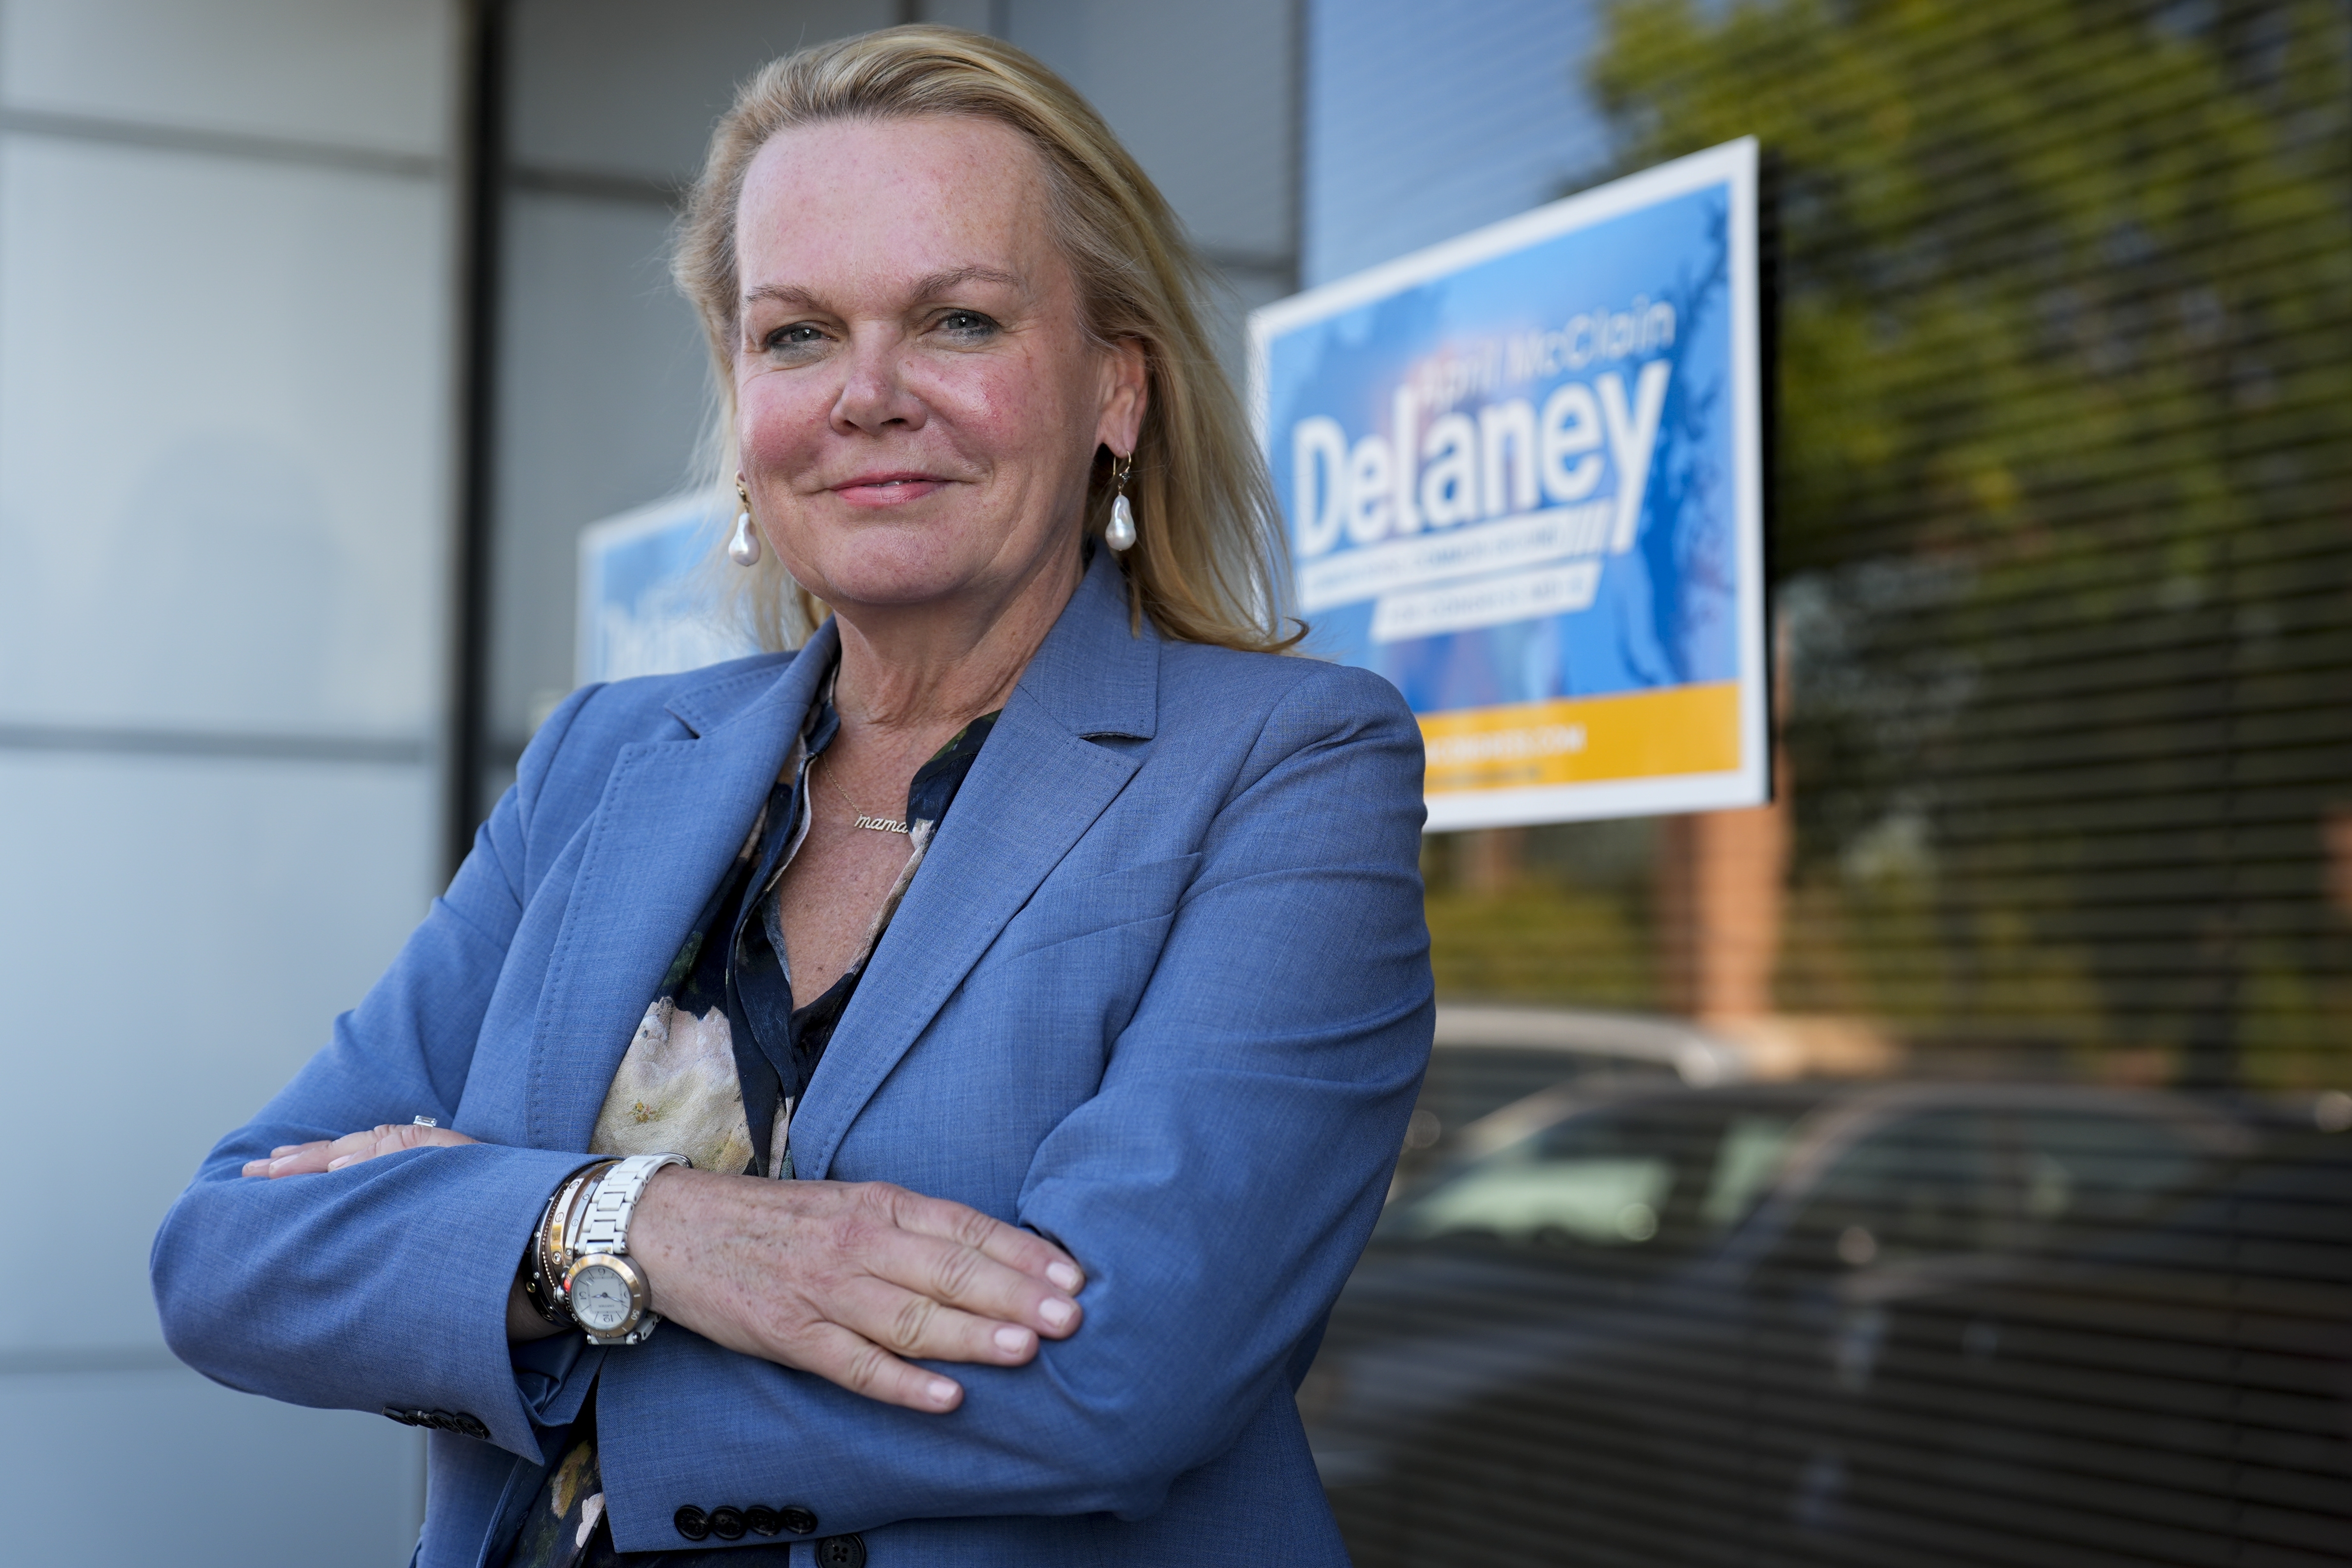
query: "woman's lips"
887, 489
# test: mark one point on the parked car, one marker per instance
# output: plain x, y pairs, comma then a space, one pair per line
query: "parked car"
1652, 1325
1485, 1056
2179, 1393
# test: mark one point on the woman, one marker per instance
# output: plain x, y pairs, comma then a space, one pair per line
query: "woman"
1128, 1001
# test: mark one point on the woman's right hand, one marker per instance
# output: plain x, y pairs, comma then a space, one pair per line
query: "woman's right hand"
844, 1279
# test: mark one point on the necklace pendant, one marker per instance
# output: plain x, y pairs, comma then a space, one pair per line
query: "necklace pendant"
879, 825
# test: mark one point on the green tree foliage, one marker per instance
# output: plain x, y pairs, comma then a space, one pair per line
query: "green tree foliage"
2063, 527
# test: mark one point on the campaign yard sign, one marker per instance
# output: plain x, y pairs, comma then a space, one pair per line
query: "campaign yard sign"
1523, 476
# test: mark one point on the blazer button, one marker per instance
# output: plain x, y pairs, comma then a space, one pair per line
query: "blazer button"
796, 1519
762, 1519
727, 1523
841, 1551
692, 1523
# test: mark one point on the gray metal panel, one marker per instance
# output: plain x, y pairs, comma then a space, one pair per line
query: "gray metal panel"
371, 74
176, 937
220, 441
1201, 93
632, 88
122, 1469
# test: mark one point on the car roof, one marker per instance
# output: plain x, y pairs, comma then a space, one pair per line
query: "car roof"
1698, 1057
1836, 1107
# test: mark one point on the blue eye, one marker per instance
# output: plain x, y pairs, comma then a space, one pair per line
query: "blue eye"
801, 335
967, 323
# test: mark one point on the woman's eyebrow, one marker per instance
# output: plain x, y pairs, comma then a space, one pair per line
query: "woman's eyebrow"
948, 282
795, 297
782, 294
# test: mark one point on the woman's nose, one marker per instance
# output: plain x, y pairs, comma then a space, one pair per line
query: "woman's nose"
875, 392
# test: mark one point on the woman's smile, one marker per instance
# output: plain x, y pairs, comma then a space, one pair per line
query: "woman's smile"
886, 489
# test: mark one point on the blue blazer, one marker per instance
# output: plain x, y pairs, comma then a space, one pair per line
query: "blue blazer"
1161, 992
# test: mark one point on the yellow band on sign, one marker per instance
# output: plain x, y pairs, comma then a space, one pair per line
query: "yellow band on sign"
1584, 740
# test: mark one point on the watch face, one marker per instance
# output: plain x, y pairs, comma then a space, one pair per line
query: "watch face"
600, 1297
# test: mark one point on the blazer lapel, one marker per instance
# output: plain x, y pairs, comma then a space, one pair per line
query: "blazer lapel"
1038, 785
674, 814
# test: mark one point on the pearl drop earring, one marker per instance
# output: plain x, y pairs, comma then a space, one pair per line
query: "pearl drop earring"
743, 549
1119, 532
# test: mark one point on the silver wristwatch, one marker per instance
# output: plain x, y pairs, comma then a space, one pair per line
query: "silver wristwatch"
604, 1288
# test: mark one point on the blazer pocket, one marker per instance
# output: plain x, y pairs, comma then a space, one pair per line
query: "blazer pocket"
1131, 893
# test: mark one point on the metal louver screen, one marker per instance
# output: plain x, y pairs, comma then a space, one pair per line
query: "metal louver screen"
2014, 1223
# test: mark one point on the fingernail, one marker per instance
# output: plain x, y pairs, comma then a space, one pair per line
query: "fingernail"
941, 1390
1012, 1341
339, 1165
255, 1168
1062, 1275
1058, 1315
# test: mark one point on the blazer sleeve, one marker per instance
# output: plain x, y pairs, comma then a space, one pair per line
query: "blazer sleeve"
1218, 1188
383, 1285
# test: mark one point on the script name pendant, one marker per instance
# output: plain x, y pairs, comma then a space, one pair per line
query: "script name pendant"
880, 825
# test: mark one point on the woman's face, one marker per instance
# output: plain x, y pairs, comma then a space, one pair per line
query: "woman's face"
918, 402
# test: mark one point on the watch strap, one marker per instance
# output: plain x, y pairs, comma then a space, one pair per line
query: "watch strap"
605, 1226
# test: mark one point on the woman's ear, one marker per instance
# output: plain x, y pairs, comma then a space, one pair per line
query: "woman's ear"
1126, 382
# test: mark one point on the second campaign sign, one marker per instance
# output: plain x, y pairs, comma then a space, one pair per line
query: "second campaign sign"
1523, 474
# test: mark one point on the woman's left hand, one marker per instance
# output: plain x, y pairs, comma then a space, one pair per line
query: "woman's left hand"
351, 1149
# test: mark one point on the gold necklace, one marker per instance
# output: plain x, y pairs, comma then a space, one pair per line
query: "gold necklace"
871, 824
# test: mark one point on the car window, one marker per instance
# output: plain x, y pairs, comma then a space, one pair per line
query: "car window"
1466, 1082
2084, 1168
1627, 1180
1925, 1186
1745, 1161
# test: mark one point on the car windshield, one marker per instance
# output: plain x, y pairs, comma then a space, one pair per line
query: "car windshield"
1649, 1177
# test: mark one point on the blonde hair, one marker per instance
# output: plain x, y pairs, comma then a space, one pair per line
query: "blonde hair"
1210, 564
